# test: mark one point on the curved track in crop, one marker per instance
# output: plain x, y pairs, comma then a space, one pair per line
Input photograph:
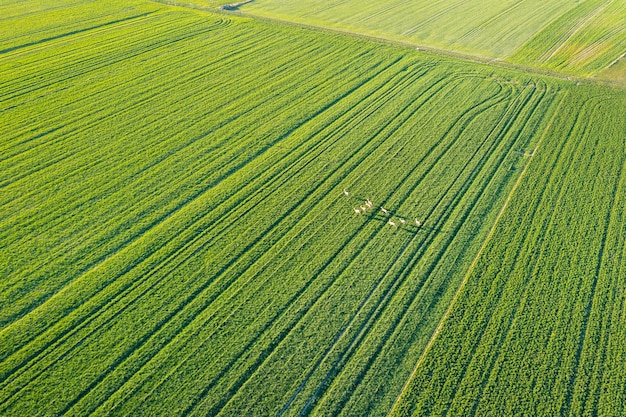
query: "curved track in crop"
177, 241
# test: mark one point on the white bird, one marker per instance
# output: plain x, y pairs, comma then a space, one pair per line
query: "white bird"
384, 211
357, 211
368, 203
418, 223
402, 221
363, 209
392, 224
346, 193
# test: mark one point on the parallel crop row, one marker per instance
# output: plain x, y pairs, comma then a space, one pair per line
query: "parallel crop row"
533, 329
179, 234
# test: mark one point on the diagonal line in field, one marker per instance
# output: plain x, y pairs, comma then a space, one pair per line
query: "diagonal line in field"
578, 29
442, 321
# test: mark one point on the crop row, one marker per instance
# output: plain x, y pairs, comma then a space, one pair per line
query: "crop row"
177, 242
584, 40
538, 319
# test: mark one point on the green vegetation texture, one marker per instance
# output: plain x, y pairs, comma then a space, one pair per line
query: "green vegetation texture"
539, 328
175, 237
576, 37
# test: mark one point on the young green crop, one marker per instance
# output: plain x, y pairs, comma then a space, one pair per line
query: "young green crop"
176, 240
533, 328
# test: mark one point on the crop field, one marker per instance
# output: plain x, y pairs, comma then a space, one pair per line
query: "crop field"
208, 214
575, 37
587, 39
539, 329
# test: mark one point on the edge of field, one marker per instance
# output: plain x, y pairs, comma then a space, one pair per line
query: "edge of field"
603, 77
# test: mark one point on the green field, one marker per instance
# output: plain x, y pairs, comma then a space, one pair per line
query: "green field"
176, 238
577, 37
539, 327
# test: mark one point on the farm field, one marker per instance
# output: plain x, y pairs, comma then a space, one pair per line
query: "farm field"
575, 37
539, 327
179, 232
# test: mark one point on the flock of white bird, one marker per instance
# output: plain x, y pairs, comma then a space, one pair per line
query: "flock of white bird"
369, 206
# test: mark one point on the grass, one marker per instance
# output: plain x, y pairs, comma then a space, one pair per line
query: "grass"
176, 240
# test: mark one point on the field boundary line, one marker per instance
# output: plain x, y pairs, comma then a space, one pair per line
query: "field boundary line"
408, 43
430, 343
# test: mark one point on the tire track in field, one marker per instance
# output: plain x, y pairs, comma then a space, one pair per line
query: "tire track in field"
434, 3
132, 52
184, 303
549, 220
21, 142
518, 305
324, 9
73, 53
72, 33
470, 270
398, 322
382, 227
140, 45
130, 55
199, 236
590, 303
592, 386
502, 339
542, 251
359, 112
155, 96
581, 55
421, 360
97, 65
472, 32
51, 82
408, 267
571, 33
383, 11
431, 19
7, 5
116, 185
170, 153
